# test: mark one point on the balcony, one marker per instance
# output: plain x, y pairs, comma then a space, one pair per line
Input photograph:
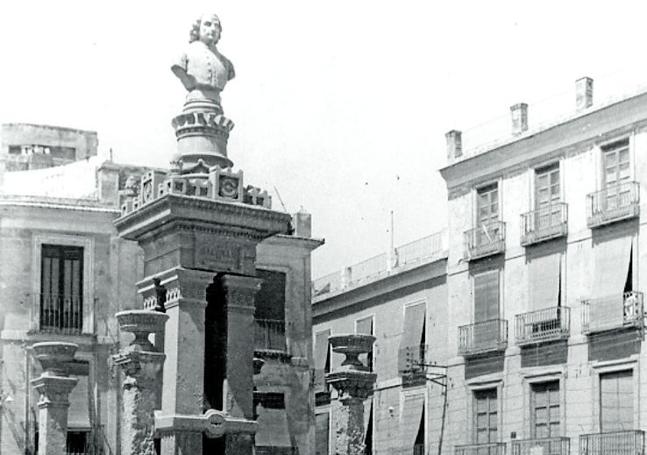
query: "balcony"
613, 312
544, 446
543, 224
485, 240
547, 324
629, 442
492, 448
269, 337
60, 314
615, 203
482, 337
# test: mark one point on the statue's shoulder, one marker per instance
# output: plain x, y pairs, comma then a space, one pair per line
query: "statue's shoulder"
227, 64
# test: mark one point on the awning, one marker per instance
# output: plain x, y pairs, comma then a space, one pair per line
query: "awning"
322, 433
273, 430
78, 414
611, 267
414, 323
412, 410
322, 354
368, 408
544, 281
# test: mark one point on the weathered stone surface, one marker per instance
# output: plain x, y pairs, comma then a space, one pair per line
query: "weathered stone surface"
141, 365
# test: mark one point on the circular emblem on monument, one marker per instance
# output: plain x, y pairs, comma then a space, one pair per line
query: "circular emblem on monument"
229, 187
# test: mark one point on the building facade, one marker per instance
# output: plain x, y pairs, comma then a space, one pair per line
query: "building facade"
401, 300
65, 273
542, 328
546, 317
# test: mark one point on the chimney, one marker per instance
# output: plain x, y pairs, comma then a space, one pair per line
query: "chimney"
519, 118
302, 222
583, 93
454, 144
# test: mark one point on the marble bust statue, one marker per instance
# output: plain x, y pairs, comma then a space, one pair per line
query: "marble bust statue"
203, 70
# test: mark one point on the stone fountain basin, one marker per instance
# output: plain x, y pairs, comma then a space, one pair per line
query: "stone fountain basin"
351, 343
145, 321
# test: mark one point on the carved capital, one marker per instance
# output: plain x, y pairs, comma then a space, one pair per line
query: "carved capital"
54, 390
140, 367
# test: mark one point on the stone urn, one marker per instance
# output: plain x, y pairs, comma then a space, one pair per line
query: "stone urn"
352, 345
141, 323
54, 356
352, 380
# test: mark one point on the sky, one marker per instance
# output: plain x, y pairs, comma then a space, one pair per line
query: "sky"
340, 106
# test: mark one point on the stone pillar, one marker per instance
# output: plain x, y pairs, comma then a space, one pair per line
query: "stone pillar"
54, 386
140, 363
183, 374
353, 383
238, 395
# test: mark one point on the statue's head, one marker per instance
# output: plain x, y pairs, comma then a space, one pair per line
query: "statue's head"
206, 29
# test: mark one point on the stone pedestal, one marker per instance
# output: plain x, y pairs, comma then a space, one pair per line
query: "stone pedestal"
353, 383
54, 387
140, 363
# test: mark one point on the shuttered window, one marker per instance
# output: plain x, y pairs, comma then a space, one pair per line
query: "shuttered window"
486, 295
545, 410
487, 214
485, 416
616, 401
616, 170
547, 197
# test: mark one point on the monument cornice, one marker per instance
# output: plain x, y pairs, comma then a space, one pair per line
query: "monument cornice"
197, 213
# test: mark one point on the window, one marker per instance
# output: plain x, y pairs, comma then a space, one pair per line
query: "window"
485, 416
269, 313
545, 412
61, 296
487, 214
411, 353
486, 295
365, 326
547, 197
616, 171
616, 401
487, 205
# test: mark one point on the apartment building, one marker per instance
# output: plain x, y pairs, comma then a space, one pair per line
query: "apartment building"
536, 310
545, 309
400, 298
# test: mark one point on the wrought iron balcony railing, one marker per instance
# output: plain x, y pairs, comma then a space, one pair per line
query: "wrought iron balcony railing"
485, 240
629, 442
612, 312
544, 224
482, 337
543, 325
269, 335
544, 446
614, 203
491, 448
60, 314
